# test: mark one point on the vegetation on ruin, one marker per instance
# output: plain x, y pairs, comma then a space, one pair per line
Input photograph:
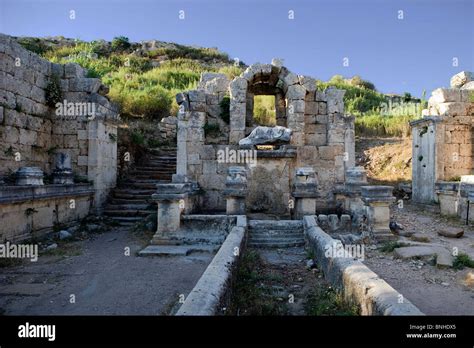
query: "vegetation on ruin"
255, 291
144, 86
388, 247
329, 302
463, 260
225, 109
144, 83
53, 92
379, 125
264, 112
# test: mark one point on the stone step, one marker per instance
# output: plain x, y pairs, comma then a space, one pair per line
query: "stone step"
132, 195
157, 169
127, 206
276, 239
127, 213
276, 244
130, 200
154, 170
176, 250
150, 186
142, 181
273, 232
127, 220
275, 225
156, 178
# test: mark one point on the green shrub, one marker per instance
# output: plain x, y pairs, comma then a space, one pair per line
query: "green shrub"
379, 125
463, 260
137, 138
225, 109
211, 129
327, 301
264, 112
120, 43
53, 92
33, 44
231, 71
198, 53
360, 97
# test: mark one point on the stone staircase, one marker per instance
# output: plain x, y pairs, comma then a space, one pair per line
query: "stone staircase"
276, 233
131, 201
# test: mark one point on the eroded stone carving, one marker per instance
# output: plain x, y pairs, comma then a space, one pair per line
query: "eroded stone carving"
267, 135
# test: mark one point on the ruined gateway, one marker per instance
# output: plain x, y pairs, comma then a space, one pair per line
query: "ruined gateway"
322, 138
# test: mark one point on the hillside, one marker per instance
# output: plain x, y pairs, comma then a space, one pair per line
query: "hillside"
143, 77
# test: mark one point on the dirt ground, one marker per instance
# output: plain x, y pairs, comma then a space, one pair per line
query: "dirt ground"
102, 279
386, 160
434, 291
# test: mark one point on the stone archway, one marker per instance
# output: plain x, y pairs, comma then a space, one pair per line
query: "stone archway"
290, 92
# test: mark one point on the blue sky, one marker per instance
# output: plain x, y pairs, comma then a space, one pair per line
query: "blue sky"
410, 54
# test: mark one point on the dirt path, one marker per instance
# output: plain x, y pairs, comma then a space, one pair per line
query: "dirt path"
435, 291
103, 280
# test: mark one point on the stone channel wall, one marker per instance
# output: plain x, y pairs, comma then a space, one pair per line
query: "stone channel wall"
358, 283
212, 291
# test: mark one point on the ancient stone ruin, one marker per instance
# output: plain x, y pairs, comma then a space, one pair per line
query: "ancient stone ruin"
302, 166
443, 148
322, 138
55, 123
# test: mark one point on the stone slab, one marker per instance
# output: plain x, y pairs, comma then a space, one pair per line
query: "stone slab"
176, 250
451, 232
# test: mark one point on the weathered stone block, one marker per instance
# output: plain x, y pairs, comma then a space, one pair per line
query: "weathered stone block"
197, 96
27, 137
336, 136
312, 108
452, 109
296, 92
73, 70
461, 79
291, 79
444, 95
197, 119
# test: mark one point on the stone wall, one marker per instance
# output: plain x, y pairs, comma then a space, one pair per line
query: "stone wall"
322, 136
443, 140
32, 127
28, 212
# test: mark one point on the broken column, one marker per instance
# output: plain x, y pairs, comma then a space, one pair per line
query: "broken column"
62, 173
170, 199
29, 176
356, 177
236, 190
377, 201
305, 192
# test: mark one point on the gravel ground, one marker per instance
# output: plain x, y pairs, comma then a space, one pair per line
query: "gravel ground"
435, 291
102, 279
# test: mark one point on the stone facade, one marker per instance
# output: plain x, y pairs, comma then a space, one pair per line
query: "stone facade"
46, 110
32, 130
443, 139
322, 137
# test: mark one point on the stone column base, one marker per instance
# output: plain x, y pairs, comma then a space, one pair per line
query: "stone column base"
305, 206
235, 205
